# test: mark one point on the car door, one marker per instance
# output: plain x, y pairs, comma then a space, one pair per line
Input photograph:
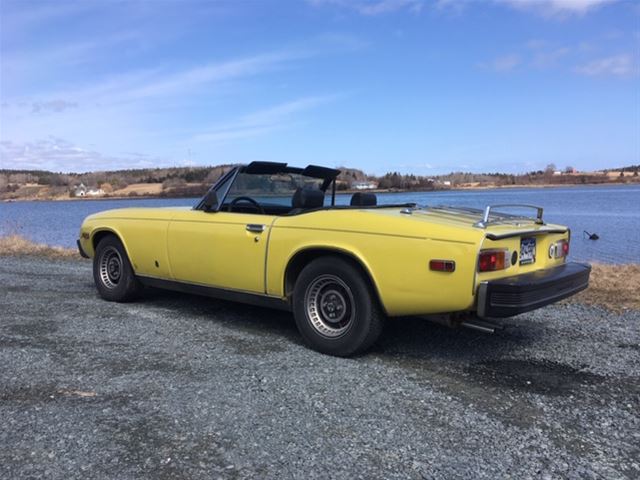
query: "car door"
219, 249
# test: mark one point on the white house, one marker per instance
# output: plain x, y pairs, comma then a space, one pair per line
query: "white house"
364, 185
82, 191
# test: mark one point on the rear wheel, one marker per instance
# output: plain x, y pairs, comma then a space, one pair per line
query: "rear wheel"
335, 309
112, 272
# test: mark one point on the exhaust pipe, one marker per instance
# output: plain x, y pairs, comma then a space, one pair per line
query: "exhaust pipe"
481, 325
461, 320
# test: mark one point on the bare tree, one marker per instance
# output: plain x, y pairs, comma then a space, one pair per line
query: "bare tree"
173, 183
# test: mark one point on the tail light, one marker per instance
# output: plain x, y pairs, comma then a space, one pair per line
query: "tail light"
491, 260
559, 249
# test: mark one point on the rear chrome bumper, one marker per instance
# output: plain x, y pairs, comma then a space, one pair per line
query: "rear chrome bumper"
522, 293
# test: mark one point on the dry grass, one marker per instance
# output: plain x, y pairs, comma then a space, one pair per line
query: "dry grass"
17, 245
139, 189
616, 287
617, 174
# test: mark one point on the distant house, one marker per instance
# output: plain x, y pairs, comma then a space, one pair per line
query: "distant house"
80, 190
557, 172
95, 192
364, 185
83, 191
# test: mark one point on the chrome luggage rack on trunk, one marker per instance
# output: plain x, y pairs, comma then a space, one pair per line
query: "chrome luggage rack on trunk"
488, 213
486, 217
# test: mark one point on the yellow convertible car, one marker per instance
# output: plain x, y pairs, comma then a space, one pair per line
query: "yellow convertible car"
270, 234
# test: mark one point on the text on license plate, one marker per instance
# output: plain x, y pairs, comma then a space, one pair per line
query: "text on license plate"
527, 250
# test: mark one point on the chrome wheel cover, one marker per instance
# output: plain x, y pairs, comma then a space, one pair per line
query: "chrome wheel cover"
329, 305
110, 267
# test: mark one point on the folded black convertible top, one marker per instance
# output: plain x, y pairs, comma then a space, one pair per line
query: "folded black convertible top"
268, 168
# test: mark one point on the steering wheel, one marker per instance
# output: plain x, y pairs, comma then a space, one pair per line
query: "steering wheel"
250, 200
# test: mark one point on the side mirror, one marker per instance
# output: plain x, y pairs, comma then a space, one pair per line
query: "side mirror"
210, 201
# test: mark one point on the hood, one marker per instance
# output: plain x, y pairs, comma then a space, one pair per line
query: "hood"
151, 213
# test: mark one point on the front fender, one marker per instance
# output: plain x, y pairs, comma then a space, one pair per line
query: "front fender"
90, 235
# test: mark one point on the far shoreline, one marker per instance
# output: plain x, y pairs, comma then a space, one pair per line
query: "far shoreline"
341, 192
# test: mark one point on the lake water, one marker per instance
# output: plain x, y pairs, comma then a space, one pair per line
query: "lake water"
613, 212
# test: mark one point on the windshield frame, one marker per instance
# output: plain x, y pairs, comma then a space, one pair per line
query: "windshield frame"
327, 175
231, 174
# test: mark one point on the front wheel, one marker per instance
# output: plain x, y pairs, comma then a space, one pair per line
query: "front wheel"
335, 309
112, 272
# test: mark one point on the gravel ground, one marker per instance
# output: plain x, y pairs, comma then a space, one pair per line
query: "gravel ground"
177, 386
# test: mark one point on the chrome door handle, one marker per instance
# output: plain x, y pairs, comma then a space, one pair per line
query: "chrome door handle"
255, 228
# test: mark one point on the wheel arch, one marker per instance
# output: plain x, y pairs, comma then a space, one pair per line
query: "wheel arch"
101, 233
303, 257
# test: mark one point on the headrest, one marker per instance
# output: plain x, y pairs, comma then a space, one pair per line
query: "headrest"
307, 198
364, 199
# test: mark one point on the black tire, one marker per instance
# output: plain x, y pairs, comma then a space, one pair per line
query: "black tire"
112, 272
335, 308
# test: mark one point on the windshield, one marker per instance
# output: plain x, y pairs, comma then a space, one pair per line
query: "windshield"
267, 189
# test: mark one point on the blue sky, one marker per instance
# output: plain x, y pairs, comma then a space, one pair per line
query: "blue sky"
426, 87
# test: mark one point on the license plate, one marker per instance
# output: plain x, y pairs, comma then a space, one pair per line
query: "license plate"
527, 250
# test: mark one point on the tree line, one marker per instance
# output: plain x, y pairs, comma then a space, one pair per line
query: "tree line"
174, 178
179, 181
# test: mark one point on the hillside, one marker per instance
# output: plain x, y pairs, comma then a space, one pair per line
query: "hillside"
193, 181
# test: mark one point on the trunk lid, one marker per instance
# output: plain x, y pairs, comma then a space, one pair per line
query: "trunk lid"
526, 240
493, 220
493, 225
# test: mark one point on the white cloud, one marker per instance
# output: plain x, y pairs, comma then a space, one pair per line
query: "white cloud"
544, 55
453, 6
260, 122
617, 65
119, 110
23, 20
545, 8
56, 154
549, 58
278, 112
57, 106
185, 81
504, 63
157, 82
148, 109
557, 8
418, 166
373, 7
35, 61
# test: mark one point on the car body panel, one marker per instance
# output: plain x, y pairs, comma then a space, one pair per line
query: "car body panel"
395, 254
143, 232
394, 249
217, 249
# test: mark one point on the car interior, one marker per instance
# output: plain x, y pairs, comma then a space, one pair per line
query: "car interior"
363, 199
305, 198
